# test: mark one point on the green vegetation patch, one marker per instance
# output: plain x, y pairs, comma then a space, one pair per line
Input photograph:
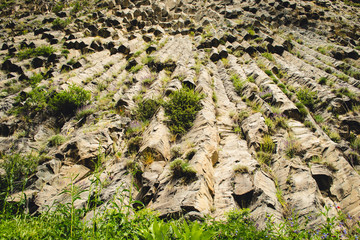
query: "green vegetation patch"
181, 109
44, 51
68, 101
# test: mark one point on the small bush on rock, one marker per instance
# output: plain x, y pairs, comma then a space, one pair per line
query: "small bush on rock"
68, 101
182, 109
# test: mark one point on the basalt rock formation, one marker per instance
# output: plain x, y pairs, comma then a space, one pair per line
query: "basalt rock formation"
279, 124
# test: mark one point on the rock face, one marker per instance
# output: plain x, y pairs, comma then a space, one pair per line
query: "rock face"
278, 130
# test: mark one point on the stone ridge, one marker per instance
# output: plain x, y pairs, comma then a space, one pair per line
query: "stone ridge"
279, 127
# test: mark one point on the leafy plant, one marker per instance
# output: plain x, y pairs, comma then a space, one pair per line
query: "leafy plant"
181, 109
67, 101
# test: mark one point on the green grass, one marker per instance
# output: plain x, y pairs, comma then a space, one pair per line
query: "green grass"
182, 169
56, 140
44, 51
307, 97
268, 56
123, 218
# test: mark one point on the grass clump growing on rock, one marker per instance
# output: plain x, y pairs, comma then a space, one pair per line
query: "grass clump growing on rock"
181, 109
182, 169
307, 97
67, 101
241, 169
56, 140
44, 51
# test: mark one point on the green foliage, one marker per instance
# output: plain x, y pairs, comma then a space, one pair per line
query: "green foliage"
270, 124
76, 7
67, 101
182, 169
181, 109
59, 23
322, 80
318, 119
307, 97
136, 68
264, 157
119, 220
134, 144
334, 136
58, 7
81, 113
36, 78
238, 83
17, 168
35, 101
268, 56
146, 109
302, 110
355, 144
44, 51
56, 140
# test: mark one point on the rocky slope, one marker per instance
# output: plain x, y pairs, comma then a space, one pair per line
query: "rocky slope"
278, 130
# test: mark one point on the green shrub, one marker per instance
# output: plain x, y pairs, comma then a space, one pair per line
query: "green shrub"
44, 51
270, 124
146, 109
134, 144
181, 109
334, 136
56, 140
182, 169
322, 80
68, 101
307, 97
84, 112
